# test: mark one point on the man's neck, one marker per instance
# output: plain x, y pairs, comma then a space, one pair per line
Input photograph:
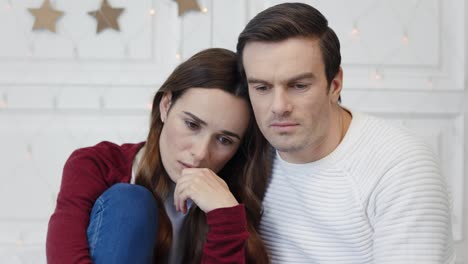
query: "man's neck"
340, 121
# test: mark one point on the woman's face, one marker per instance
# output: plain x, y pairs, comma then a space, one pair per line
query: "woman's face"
202, 129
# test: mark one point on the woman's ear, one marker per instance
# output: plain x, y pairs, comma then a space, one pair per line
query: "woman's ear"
164, 105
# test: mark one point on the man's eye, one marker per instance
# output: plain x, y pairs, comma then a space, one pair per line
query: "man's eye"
191, 125
300, 86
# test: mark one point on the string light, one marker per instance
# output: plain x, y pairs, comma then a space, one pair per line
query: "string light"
355, 33
405, 39
177, 56
378, 76
8, 5
152, 12
430, 83
205, 10
19, 242
76, 53
102, 103
4, 101
29, 152
149, 106
55, 103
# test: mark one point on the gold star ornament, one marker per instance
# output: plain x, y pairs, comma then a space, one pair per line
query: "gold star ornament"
106, 17
187, 5
45, 16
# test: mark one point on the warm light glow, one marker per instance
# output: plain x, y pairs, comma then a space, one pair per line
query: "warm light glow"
19, 242
177, 56
430, 83
76, 54
152, 12
149, 106
204, 10
29, 152
3, 102
8, 7
377, 76
405, 39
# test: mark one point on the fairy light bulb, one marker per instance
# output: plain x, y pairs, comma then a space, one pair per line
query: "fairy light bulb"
29, 152
177, 56
405, 39
55, 103
152, 12
149, 106
19, 242
4, 101
204, 10
377, 75
430, 82
355, 33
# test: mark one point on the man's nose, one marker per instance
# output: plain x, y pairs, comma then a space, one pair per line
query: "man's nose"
281, 104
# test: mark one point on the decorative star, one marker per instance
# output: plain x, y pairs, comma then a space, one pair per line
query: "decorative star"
45, 16
106, 16
186, 5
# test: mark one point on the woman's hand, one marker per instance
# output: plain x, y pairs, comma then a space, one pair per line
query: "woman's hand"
206, 189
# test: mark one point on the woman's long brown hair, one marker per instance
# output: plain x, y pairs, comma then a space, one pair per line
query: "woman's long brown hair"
246, 173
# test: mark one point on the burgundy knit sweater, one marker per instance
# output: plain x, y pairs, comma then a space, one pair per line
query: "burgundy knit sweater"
91, 171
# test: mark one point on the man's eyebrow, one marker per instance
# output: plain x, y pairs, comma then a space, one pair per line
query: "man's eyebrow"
226, 132
255, 80
306, 75
196, 118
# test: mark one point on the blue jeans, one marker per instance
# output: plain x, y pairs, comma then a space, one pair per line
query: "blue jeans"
123, 225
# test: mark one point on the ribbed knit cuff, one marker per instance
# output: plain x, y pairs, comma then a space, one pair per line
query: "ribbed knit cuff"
228, 220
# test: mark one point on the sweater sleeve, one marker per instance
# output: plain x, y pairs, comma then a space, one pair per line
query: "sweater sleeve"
412, 212
226, 239
82, 183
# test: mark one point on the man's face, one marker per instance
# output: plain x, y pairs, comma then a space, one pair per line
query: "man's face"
290, 96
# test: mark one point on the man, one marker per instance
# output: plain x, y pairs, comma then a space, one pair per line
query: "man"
345, 187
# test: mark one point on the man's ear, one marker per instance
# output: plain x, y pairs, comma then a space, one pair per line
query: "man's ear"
165, 104
335, 86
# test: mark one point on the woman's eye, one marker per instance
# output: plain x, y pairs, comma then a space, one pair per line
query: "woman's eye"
224, 140
191, 125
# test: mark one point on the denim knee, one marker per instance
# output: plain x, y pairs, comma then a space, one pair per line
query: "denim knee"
123, 225
130, 198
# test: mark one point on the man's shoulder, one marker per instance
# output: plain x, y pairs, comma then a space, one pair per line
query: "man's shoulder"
381, 135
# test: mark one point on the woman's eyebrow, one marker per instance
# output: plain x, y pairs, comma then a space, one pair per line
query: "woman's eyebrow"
196, 118
232, 134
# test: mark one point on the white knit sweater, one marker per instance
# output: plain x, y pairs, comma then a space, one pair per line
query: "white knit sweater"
378, 197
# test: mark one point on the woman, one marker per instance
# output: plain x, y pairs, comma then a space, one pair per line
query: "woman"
203, 155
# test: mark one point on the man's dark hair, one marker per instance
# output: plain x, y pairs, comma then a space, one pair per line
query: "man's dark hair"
291, 20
